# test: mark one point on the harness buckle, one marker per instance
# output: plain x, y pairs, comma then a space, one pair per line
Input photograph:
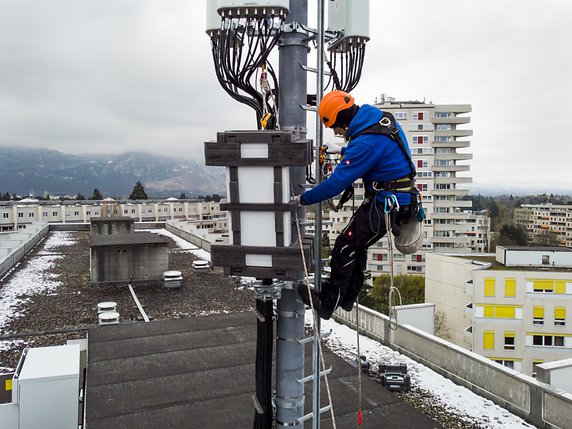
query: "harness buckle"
385, 122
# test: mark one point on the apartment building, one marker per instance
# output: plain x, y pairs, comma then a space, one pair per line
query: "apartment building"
204, 215
546, 224
513, 307
435, 134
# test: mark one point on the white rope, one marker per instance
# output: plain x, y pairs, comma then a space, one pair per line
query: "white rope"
391, 304
316, 332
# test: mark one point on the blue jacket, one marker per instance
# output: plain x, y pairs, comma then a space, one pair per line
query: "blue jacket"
372, 157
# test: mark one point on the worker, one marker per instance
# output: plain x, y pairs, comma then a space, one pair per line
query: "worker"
377, 152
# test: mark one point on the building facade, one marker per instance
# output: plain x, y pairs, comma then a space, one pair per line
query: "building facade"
435, 134
204, 215
546, 224
513, 308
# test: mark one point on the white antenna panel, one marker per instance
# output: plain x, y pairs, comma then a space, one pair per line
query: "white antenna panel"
350, 16
253, 7
213, 18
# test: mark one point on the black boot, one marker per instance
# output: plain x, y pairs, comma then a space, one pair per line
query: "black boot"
323, 310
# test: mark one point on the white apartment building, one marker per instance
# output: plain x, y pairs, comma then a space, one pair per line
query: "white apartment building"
546, 224
435, 134
512, 308
204, 215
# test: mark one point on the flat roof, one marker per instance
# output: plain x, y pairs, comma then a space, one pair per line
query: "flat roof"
199, 372
536, 249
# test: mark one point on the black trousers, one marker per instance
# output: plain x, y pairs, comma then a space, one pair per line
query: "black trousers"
349, 256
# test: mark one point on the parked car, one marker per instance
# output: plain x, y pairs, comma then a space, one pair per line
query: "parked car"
394, 377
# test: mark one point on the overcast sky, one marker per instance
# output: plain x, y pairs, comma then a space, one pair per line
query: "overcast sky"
87, 76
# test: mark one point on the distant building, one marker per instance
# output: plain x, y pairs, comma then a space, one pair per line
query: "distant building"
205, 215
435, 136
546, 224
513, 308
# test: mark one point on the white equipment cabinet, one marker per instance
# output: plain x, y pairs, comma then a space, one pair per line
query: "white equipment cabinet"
48, 388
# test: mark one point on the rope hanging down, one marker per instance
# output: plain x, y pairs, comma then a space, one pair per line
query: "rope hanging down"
391, 204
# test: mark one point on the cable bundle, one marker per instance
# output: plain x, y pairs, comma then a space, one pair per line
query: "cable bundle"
240, 50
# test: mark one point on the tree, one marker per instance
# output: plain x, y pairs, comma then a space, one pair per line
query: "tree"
512, 235
138, 192
440, 328
411, 289
96, 195
80, 197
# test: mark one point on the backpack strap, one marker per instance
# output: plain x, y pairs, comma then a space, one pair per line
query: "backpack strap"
388, 127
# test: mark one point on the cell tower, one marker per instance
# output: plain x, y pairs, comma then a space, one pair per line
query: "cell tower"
268, 166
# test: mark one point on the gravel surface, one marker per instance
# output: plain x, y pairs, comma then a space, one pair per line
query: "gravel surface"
73, 302
70, 304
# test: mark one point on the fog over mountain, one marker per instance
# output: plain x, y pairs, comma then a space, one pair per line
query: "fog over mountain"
25, 171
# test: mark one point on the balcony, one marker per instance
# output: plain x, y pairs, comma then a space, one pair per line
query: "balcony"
451, 120
450, 168
454, 133
451, 180
456, 192
456, 203
453, 156
454, 240
454, 143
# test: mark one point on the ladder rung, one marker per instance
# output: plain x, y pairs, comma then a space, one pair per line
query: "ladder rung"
311, 415
310, 377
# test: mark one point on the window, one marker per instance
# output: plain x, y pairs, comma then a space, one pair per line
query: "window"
419, 116
509, 340
548, 340
505, 312
489, 286
54, 213
443, 139
538, 315
132, 211
489, 311
488, 340
124, 211
20, 214
443, 114
401, 115
419, 139
443, 127
422, 186
560, 316
510, 288
76, 213
507, 363
30, 214
5, 215
545, 259
554, 286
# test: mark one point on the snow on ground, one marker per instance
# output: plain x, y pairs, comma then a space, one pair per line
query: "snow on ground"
183, 244
461, 401
32, 279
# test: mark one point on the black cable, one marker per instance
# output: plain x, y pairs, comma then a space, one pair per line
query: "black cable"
263, 415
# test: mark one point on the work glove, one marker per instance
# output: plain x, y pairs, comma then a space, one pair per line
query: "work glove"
299, 200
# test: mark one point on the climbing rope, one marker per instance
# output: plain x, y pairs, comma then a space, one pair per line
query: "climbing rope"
314, 324
391, 204
359, 418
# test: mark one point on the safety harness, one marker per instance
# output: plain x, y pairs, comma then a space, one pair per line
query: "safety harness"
388, 127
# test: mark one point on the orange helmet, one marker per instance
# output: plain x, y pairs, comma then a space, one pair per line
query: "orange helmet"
332, 104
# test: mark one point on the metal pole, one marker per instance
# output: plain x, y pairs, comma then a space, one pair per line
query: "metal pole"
318, 223
293, 52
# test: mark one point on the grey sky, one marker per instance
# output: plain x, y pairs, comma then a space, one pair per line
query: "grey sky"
111, 76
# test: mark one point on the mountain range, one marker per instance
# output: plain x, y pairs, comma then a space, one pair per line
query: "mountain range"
40, 171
